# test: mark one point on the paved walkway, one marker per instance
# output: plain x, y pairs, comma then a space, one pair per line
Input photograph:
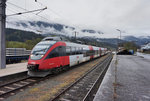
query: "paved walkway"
132, 80
13, 68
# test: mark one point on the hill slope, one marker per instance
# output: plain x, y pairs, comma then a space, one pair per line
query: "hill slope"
20, 35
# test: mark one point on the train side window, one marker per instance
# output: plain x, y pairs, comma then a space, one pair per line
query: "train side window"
77, 50
84, 53
80, 51
73, 49
64, 50
60, 51
53, 53
68, 51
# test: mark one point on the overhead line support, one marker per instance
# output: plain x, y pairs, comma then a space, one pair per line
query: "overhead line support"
2, 34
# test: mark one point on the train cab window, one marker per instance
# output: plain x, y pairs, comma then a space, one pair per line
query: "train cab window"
39, 50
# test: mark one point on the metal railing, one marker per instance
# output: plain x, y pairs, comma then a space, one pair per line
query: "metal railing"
17, 52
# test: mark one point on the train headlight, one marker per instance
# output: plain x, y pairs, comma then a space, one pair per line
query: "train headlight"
42, 56
31, 55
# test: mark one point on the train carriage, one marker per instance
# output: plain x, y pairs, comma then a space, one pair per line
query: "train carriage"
50, 54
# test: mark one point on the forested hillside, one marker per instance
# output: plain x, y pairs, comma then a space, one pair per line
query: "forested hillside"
20, 35
21, 39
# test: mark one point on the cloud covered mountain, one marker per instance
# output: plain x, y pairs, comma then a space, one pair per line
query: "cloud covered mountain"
46, 28
142, 40
41, 27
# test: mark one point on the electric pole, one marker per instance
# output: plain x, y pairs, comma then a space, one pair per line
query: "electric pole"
2, 34
75, 35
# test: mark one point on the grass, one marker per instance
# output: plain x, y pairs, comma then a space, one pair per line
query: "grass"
33, 90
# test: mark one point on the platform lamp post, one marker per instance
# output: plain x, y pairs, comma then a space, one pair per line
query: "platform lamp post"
120, 34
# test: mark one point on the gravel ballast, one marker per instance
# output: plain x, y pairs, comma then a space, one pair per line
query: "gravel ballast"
47, 89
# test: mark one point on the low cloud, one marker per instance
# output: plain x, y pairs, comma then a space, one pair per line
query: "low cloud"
130, 16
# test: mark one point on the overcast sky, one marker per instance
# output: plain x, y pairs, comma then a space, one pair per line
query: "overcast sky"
130, 16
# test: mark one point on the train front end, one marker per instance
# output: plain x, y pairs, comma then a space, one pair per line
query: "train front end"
36, 59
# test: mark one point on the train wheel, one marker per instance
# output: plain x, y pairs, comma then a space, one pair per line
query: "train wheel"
56, 70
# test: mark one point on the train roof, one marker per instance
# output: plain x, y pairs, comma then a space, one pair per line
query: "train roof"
53, 40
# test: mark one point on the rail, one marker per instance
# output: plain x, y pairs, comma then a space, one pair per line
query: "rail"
83, 83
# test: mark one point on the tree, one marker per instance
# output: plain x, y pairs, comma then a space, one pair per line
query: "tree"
130, 46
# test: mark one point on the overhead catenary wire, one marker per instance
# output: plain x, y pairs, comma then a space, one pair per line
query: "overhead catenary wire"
50, 10
54, 12
26, 10
42, 5
23, 16
37, 14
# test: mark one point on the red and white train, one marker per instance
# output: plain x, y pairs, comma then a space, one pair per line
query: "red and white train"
52, 53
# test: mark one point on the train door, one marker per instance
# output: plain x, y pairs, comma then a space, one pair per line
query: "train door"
62, 55
100, 52
52, 60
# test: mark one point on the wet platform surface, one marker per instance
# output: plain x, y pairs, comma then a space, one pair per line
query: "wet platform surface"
127, 79
13, 69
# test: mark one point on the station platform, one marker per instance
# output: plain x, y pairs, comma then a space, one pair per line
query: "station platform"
13, 69
127, 79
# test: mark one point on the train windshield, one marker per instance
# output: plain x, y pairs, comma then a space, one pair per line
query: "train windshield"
39, 50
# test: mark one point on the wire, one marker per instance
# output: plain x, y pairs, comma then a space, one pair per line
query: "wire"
28, 12
41, 4
11, 10
52, 11
38, 12
19, 19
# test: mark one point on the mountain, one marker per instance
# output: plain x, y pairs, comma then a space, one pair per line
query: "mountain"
51, 28
20, 35
91, 31
142, 40
55, 29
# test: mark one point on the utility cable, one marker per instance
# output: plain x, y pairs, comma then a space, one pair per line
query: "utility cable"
28, 12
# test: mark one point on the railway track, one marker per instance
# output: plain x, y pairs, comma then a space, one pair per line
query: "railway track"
86, 86
12, 87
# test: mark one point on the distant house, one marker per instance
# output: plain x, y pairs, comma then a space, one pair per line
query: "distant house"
146, 48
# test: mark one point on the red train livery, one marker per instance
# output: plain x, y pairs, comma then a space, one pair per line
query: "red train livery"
52, 53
